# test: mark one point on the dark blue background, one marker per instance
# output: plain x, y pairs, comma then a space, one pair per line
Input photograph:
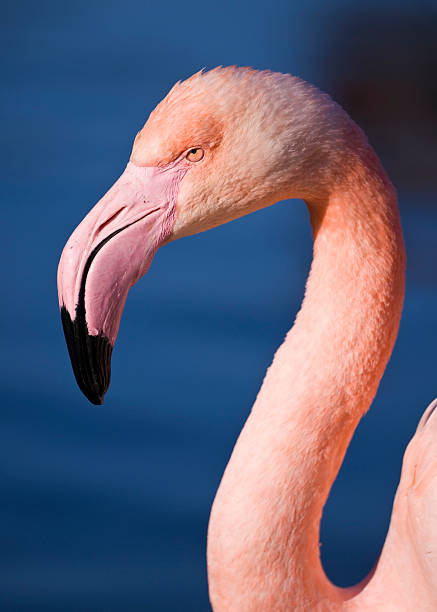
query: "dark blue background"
106, 508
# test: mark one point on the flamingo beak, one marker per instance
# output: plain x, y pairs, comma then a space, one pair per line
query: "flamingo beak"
106, 254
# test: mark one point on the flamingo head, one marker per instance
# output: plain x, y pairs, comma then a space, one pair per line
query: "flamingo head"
220, 145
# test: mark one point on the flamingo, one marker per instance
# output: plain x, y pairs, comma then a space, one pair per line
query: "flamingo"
222, 144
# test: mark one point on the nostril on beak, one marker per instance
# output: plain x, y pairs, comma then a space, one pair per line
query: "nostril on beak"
111, 218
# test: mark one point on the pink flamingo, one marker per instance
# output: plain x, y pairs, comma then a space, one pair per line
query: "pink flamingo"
220, 145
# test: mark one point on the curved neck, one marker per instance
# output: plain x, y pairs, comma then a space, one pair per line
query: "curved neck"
263, 541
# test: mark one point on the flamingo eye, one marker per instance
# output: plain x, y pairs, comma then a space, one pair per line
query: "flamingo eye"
195, 154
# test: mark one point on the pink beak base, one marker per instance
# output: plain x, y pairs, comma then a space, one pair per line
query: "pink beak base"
107, 254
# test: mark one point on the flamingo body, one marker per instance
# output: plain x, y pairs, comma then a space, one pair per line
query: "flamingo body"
223, 144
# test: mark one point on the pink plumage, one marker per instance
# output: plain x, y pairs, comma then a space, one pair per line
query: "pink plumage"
223, 144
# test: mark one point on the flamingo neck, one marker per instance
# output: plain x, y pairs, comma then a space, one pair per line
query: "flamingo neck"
263, 540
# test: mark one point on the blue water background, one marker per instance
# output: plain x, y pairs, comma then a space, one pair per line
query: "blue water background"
106, 508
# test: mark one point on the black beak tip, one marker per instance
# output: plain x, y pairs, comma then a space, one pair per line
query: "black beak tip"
97, 400
90, 357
